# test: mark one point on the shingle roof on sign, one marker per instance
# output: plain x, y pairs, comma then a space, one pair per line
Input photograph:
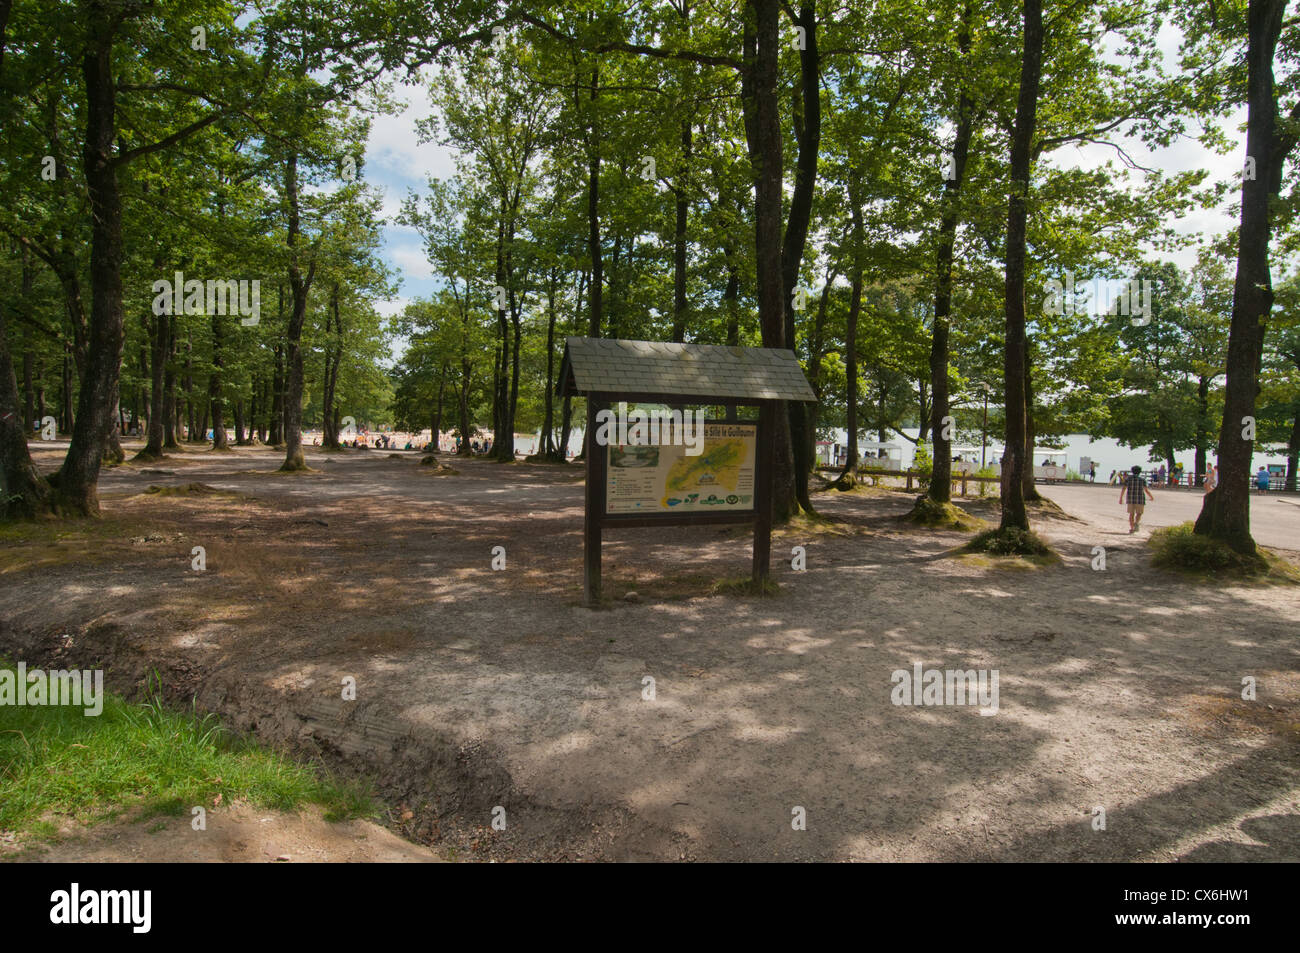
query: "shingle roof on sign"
609, 365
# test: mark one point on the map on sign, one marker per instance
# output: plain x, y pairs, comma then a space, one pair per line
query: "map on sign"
664, 478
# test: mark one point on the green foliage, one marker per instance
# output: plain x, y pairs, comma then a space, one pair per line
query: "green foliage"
923, 463
556, 122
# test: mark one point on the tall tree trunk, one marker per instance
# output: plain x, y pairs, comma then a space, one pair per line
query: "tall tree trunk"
192, 434
462, 409
113, 452
759, 95
596, 291
808, 130
816, 349
78, 478
566, 421
170, 411
566, 428
23, 491
940, 489
435, 425
679, 239
851, 348
1225, 513
333, 357
277, 398
1028, 488
730, 300
503, 441
547, 448
257, 412
29, 391
501, 369
1202, 432
1293, 450
1014, 515
299, 287
68, 417
216, 392
144, 393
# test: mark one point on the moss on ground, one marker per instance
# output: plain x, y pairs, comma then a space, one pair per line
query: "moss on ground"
1180, 549
927, 512
747, 587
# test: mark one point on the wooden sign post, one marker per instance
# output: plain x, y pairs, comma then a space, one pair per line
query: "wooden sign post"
604, 371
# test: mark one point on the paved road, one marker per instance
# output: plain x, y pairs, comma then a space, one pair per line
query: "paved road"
1274, 517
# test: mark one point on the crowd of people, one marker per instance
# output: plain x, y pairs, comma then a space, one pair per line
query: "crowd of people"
447, 443
1262, 481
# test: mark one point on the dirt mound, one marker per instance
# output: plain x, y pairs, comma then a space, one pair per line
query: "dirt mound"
435, 467
186, 489
1009, 542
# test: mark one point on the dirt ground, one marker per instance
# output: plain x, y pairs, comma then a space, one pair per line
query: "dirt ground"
489, 695
241, 834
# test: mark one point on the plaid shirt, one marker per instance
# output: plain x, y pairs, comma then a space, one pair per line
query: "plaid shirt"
1136, 487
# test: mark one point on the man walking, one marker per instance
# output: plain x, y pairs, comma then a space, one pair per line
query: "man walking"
1135, 493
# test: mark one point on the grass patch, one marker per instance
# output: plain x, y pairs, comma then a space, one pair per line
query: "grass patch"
1011, 548
926, 512
1180, 549
148, 758
747, 587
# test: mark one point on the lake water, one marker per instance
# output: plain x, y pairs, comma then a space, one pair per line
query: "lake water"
1107, 453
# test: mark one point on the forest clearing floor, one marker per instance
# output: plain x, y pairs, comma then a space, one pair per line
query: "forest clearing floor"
484, 694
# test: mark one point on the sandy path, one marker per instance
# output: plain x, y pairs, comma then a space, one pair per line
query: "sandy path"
1274, 517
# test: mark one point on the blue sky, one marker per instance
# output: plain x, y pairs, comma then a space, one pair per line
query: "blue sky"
396, 163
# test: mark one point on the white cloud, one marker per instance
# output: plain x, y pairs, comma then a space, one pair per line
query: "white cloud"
394, 149
411, 260
392, 306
